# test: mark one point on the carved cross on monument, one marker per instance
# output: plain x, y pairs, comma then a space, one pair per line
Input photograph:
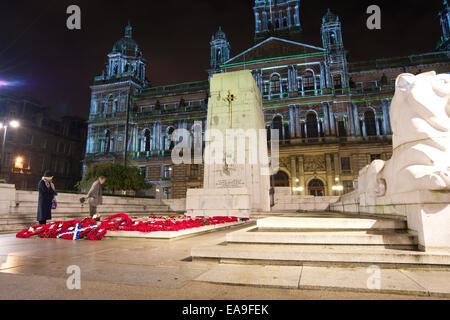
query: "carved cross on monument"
230, 98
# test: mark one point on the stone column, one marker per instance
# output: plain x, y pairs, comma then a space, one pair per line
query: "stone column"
388, 105
332, 120
293, 171
301, 174
337, 166
364, 133
289, 16
298, 125
292, 121
385, 118
356, 120
326, 128
329, 174
351, 122
377, 123
290, 84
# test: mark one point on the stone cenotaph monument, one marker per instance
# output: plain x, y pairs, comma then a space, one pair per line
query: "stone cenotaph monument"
236, 174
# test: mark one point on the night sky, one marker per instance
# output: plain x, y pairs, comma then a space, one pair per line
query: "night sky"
55, 65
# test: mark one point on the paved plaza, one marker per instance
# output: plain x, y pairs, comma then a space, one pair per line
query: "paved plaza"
160, 269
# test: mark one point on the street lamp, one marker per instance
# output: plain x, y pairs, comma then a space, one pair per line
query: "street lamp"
4, 125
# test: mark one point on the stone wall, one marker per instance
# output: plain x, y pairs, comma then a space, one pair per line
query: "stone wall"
285, 200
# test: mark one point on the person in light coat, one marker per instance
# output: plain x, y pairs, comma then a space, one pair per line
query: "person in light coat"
95, 197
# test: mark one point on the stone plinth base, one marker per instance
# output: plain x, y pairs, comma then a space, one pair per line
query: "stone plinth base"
427, 214
226, 202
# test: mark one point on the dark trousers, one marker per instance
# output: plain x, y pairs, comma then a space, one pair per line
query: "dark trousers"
92, 210
43, 222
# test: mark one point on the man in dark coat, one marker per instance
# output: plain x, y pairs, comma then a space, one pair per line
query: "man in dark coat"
46, 195
95, 196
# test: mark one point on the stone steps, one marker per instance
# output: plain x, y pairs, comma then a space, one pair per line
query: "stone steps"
330, 223
390, 237
316, 255
322, 240
85, 208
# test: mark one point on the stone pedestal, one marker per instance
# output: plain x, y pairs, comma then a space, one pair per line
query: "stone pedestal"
234, 183
428, 214
218, 202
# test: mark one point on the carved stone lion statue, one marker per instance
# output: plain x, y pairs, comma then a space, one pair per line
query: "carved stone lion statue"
420, 118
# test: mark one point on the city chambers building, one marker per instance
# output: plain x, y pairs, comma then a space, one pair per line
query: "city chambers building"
332, 114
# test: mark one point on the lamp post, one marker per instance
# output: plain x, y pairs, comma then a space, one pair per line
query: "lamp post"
4, 125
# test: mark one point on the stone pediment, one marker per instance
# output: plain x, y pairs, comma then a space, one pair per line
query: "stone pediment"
274, 48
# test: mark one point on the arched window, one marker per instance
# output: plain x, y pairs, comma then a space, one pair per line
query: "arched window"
219, 55
275, 84
107, 144
311, 125
369, 121
309, 83
281, 179
333, 39
316, 188
147, 140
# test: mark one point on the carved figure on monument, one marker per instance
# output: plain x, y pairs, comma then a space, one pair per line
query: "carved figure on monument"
420, 117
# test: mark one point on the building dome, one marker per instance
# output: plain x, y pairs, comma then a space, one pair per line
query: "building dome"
330, 17
126, 44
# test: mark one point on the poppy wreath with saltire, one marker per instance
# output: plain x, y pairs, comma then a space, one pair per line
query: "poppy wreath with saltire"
77, 232
32, 231
61, 227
